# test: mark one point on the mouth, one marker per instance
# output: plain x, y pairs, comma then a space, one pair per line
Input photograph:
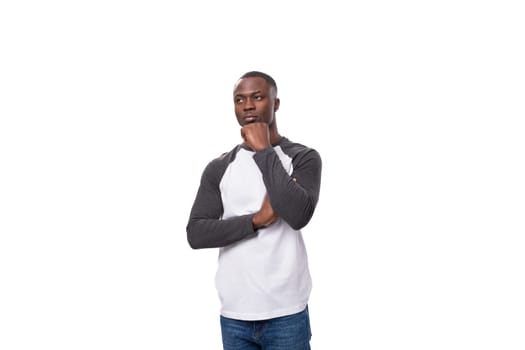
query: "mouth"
249, 119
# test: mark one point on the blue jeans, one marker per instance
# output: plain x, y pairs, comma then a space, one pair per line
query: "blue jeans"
290, 332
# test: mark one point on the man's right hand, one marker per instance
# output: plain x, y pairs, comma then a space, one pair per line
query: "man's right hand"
265, 216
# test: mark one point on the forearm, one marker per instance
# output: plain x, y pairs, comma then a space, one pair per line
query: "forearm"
206, 228
293, 201
216, 233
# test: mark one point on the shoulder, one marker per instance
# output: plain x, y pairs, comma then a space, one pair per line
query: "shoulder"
298, 151
219, 164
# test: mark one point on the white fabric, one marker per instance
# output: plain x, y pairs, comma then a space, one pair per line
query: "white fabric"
265, 276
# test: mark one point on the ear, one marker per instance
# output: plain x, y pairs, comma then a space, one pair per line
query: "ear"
276, 104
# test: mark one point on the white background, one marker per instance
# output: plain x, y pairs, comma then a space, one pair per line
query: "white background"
111, 109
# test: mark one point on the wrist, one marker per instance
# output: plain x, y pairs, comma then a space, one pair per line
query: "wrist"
256, 222
261, 147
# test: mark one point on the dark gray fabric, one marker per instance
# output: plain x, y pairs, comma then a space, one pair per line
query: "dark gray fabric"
293, 201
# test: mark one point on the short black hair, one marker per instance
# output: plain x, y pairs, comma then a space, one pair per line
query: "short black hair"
265, 76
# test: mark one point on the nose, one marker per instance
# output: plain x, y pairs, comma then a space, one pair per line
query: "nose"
248, 105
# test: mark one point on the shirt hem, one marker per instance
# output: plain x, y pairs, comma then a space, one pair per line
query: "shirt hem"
263, 315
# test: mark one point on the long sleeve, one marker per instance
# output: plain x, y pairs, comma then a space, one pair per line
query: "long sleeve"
293, 201
206, 228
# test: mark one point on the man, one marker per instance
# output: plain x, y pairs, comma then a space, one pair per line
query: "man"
252, 203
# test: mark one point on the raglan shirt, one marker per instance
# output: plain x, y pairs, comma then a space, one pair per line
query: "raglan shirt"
261, 273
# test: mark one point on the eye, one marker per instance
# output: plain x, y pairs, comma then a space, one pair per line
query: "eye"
239, 100
258, 98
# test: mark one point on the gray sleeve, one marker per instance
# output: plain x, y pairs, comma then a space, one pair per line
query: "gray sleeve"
293, 201
205, 228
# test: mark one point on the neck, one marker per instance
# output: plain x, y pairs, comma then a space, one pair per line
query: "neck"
275, 137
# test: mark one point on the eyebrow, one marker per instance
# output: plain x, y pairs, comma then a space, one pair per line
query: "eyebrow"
249, 93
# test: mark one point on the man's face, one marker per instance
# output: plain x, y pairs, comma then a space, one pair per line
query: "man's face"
254, 101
